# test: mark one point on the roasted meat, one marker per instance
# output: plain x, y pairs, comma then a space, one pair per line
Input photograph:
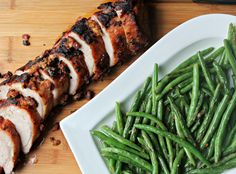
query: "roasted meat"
10, 145
68, 52
22, 112
31, 85
113, 35
92, 46
85, 52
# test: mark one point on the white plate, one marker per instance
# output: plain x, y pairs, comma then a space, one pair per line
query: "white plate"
185, 40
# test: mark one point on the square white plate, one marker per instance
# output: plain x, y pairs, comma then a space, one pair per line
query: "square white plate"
182, 42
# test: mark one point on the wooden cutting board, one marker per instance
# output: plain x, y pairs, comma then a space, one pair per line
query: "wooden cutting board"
45, 20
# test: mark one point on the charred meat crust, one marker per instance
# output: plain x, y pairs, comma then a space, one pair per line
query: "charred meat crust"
26, 103
68, 48
87, 30
113, 25
34, 62
126, 10
35, 82
14, 97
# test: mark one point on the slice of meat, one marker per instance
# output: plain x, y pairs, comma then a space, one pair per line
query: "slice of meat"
92, 46
69, 53
126, 11
31, 85
113, 35
9, 144
21, 111
52, 69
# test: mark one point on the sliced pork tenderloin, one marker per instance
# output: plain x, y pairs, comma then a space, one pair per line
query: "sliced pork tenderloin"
68, 52
85, 32
31, 85
22, 112
113, 35
9, 145
53, 69
126, 11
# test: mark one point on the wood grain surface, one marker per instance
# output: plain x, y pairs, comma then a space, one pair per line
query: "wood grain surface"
45, 20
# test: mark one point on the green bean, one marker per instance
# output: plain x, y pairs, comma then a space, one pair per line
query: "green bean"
221, 60
222, 76
109, 162
195, 94
130, 120
216, 170
206, 73
160, 124
193, 59
230, 137
230, 149
195, 126
182, 122
156, 146
215, 121
214, 55
181, 92
232, 37
160, 138
119, 118
119, 138
197, 109
189, 67
185, 83
234, 80
176, 139
186, 88
206, 122
225, 159
154, 106
148, 116
154, 84
114, 143
221, 131
181, 135
162, 83
160, 110
134, 131
177, 162
230, 56
210, 150
112, 162
172, 84
126, 157
207, 92
148, 110
155, 169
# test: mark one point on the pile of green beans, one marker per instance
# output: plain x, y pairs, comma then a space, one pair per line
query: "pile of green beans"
182, 123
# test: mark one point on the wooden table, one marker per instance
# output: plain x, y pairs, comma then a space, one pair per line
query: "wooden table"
44, 20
